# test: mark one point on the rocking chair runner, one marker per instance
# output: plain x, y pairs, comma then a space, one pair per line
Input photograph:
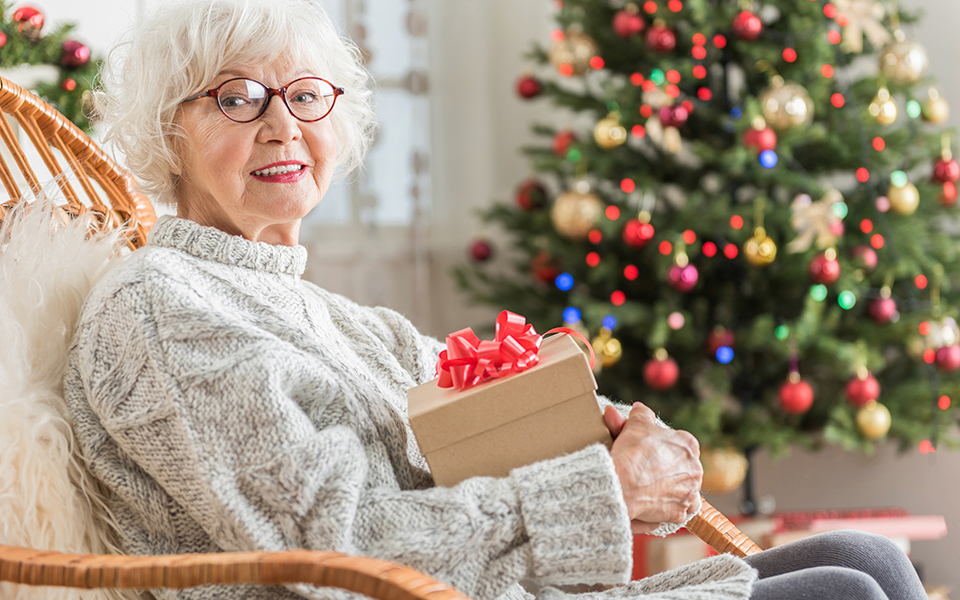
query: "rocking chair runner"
50, 133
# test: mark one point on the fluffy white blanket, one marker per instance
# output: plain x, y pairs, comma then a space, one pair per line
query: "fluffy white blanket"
47, 500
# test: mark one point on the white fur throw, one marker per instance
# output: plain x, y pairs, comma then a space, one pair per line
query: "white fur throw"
47, 500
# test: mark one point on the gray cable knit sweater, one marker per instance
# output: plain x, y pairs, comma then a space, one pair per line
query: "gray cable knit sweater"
228, 405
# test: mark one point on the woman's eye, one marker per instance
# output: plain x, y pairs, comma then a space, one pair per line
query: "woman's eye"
232, 101
304, 98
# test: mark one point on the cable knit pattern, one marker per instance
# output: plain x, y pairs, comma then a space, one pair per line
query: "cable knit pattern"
229, 405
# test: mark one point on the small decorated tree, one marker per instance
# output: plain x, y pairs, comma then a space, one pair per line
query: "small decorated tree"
748, 212
23, 42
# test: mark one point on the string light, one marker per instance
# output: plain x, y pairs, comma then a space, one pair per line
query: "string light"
833, 36
657, 76
863, 175
736, 113
673, 76
593, 259
700, 72
595, 236
612, 212
705, 94
944, 402
782, 332
926, 447
840, 209
618, 298
830, 11
565, 69
665, 247
672, 90
921, 282
650, 7
818, 292
866, 225
571, 315
676, 320
736, 221
924, 328
709, 249
631, 272
557, 35
609, 322
913, 109
689, 237
929, 355
564, 282
597, 63
847, 300
838, 100
675, 5
827, 71
646, 110
719, 41
789, 55
724, 355
768, 159
638, 131
879, 144
731, 251
876, 241
636, 79
699, 39
627, 185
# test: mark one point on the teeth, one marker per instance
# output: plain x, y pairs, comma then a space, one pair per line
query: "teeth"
277, 170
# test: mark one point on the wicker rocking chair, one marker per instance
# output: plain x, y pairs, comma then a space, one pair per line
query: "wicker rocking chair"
51, 135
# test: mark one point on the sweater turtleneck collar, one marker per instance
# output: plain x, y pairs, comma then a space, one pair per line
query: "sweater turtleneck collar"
209, 243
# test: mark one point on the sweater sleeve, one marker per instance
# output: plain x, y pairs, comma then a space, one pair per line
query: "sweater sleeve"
209, 408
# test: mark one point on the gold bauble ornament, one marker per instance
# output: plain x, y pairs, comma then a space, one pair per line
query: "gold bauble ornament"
935, 110
607, 348
904, 200
786, 105
760, 249
575, 49
724, 469
903, 61
609, 133
884, 107
575, 212
873, 420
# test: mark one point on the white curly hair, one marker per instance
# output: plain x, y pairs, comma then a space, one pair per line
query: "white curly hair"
178, 51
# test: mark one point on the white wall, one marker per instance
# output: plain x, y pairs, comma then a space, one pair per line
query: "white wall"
480, 125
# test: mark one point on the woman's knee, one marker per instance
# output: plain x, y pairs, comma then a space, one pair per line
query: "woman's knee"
823, 583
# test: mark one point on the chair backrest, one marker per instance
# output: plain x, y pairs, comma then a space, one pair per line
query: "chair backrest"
51, 135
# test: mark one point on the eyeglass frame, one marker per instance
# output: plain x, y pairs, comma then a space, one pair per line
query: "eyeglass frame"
271, 92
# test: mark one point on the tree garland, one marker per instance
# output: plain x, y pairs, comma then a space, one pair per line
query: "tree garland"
23, 43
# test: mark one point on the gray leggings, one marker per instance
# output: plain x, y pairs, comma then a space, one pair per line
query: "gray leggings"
839, 565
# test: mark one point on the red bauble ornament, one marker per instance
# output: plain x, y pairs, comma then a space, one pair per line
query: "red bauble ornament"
720, 336
948, 358
481, 250
531, 195
747, 26
69, 84
946, 170
627, 23
796, 397
682, 279
528, 86
661, 38
562, 142
542, 267
882, 310
3, 39
29, 22
861, 391
759, 140
661, 374
636, 234
74, 54
674, 116
824, 270
864, 256
948, 197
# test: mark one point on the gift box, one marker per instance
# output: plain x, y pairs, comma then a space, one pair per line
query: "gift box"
511, 419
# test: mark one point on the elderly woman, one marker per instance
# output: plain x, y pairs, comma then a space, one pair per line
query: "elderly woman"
226, 404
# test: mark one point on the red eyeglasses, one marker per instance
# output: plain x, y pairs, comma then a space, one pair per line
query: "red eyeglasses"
243, 100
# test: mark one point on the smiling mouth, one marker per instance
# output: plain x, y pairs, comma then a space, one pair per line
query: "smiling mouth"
280, 170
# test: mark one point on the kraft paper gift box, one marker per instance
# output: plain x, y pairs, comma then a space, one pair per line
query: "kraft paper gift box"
486, 430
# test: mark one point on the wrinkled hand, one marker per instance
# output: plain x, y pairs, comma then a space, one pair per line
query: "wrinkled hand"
659, 468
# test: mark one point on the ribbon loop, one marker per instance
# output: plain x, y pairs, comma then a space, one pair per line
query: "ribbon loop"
468, 361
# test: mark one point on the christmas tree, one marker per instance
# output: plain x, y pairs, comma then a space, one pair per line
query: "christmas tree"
747, 219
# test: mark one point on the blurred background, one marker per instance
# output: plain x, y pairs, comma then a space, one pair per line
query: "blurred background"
452, 129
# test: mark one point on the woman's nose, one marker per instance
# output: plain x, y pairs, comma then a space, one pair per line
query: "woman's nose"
278, 123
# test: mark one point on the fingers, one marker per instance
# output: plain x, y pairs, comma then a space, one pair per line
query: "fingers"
614, 420
642, 412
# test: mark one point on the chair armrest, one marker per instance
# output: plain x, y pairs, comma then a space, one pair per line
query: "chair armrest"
371, 577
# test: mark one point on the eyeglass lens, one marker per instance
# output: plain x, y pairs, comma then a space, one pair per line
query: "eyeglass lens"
309, 99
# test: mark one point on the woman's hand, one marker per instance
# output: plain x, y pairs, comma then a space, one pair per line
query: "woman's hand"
659, 468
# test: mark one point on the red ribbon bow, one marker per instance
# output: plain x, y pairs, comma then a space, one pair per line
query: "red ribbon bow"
468, 361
